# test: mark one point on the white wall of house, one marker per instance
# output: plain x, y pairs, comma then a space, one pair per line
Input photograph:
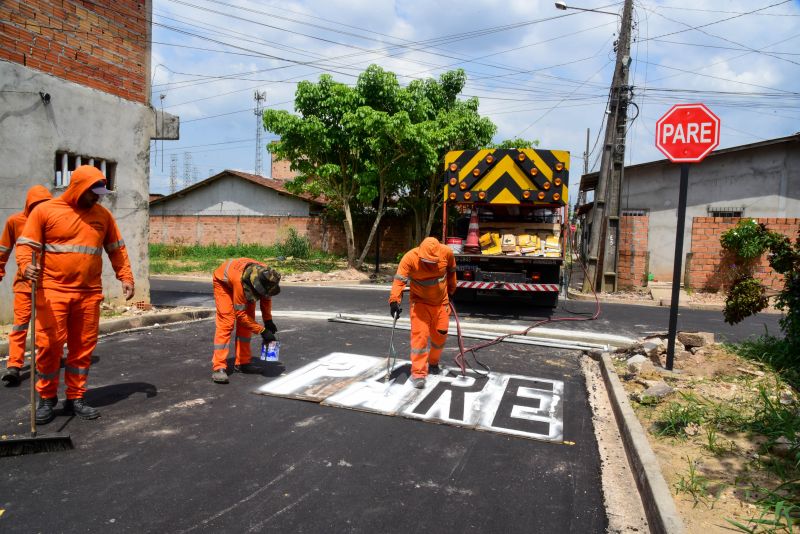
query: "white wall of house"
764, 181
232, 195
81, 121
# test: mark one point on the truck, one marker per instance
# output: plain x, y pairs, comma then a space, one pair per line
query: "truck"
511, 208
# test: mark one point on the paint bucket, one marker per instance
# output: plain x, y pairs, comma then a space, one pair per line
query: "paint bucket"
456, 244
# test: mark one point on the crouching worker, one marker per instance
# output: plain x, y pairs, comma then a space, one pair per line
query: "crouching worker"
430, 269
238, 284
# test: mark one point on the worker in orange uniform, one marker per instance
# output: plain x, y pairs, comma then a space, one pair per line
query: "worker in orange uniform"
238, 284
22, 287
68, 236
431, 270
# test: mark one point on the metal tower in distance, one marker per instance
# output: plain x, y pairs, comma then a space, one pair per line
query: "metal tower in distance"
187, 169
173, 173
260, 97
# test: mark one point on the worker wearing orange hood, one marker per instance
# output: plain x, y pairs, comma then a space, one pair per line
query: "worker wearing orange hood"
430, 269
22, 287
68, 236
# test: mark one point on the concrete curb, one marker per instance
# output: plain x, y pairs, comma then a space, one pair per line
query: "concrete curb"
112, 326
659, 505
662, 303
319, 283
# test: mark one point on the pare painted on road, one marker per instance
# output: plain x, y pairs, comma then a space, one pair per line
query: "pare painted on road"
509, 404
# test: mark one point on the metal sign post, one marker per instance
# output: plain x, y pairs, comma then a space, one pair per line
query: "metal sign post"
686, 133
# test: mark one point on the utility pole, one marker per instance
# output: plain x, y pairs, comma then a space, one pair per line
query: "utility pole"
187, 169
259, 96
604, 236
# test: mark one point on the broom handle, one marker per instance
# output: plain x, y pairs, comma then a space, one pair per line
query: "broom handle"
33, 351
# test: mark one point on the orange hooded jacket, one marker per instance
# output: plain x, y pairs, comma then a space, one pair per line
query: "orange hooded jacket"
429, 285
13, 229
230, 275
72, 239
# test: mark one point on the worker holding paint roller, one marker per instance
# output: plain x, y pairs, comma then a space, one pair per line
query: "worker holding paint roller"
238, 284
430, 269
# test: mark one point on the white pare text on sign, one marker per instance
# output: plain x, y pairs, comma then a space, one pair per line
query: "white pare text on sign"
687, 133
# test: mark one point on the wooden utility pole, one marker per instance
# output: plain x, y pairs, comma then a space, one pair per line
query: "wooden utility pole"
604, 232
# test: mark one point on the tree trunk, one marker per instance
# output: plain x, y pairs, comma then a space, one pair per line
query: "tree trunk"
375, 224
348, 233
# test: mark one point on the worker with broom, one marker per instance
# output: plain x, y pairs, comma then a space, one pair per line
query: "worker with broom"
430, 269
21, 288
67, 236
238, 284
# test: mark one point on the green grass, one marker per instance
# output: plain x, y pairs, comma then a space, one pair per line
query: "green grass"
773, 351
176, 259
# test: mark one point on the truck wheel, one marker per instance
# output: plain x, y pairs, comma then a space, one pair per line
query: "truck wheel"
545, 300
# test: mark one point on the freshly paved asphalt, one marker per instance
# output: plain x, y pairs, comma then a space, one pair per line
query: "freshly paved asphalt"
621, 319
174, 452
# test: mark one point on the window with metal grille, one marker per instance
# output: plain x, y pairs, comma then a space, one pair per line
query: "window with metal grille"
66, 162
634, 213
725, 211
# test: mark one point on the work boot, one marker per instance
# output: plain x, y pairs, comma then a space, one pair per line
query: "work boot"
247, 368
220, 376
81, 409
45, 411
418, 382
434, 369
11, 376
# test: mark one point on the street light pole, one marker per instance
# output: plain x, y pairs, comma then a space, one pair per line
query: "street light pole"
604, 231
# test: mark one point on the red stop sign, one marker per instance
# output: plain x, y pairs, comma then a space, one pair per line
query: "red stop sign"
687, 133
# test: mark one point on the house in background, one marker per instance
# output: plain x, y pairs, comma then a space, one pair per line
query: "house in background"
759, 180
235, 207
74, 89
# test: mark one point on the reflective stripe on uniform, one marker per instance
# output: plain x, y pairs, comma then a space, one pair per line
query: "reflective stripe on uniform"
437, 346
115, 245
220, 346
401, 278
419, 351
243, 339
76, 370
19, 327
48, 376
240, 307
430, 282
226, 270
451, 269
31, 242
4, 249
80, 249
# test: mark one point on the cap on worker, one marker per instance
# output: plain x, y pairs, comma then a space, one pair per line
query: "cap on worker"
265, 281
429, 250
99, 188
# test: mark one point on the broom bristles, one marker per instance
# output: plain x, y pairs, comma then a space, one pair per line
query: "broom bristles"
21, 446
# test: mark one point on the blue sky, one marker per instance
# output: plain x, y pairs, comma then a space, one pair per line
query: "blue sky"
540, 73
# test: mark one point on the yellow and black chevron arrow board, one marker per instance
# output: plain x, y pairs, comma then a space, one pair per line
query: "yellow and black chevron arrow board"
507, 176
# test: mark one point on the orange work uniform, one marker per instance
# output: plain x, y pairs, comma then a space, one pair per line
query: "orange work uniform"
430, 269
69, 241
22, 287
234, 310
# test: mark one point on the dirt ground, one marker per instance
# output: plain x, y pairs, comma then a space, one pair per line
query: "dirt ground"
713, 475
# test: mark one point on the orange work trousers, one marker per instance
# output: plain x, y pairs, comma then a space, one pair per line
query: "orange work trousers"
225, 323
17, 338
427, 340
71, 317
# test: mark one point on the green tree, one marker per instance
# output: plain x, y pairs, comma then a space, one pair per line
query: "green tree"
516, 142
748, 241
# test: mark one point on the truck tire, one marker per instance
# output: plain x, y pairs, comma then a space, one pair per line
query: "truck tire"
545, 300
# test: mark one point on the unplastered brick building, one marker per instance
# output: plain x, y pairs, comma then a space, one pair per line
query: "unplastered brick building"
759, 181
74, 90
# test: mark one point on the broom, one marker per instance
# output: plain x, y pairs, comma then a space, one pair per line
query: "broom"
34, 443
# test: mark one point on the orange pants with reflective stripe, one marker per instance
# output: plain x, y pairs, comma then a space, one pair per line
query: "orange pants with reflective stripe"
65, 317
225, 324
427, 340
19, 330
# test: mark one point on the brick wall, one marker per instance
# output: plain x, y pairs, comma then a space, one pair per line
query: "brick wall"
707, 268
101, 46
222, 230
632, 265
281, 170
